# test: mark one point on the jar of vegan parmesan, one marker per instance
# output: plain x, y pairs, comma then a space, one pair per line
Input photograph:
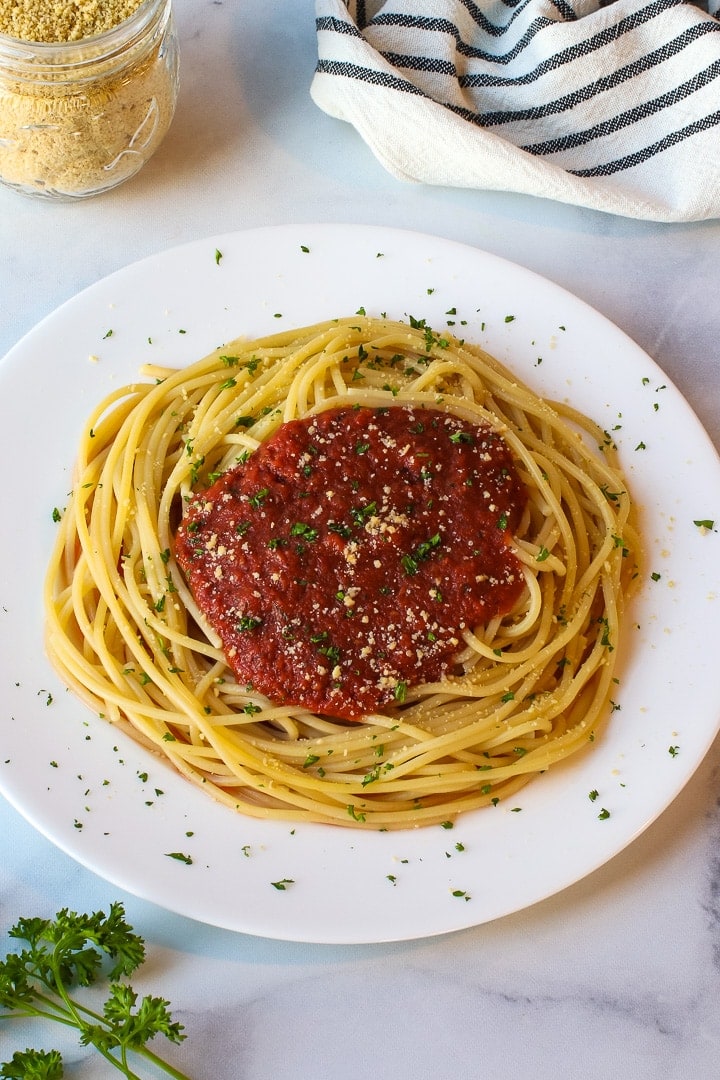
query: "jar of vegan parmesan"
87, 92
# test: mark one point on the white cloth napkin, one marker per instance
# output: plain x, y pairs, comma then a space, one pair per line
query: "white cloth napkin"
613, 107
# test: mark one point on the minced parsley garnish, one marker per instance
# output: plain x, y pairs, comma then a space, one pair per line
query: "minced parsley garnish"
180, 856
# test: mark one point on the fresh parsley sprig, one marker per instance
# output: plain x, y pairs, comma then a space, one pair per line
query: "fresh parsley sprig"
75, 950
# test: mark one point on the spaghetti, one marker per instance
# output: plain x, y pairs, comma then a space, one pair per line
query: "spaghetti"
527, 687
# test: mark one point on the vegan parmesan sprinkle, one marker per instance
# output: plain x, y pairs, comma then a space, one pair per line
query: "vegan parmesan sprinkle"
87, 92
338, 599
62, 20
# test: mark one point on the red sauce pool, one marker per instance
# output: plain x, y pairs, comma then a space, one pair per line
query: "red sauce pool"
341, 562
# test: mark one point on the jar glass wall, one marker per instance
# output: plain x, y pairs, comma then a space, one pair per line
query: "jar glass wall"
80, 117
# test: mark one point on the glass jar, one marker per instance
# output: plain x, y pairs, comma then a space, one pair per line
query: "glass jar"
80, 117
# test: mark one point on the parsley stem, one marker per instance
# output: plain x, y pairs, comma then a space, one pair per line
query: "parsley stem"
59, 981
121, 1065
30, 1012
161, 1064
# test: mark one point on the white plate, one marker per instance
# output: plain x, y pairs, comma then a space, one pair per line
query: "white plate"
121, 812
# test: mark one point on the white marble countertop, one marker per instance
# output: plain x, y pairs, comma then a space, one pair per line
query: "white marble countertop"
619, 975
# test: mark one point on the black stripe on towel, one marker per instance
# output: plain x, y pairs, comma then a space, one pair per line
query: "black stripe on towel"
640, 156
439, 25
631, 116
368, 75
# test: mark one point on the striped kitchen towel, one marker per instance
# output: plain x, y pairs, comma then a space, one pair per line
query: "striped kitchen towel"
613, 106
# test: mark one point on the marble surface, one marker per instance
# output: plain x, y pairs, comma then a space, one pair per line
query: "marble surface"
619, 975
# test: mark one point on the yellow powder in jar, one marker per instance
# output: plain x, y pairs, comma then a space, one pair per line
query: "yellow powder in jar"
90, 121
54, 21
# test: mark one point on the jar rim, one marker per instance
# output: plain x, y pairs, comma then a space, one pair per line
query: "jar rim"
103, 41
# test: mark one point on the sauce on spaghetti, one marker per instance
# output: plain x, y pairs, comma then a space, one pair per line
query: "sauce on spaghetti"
341, 562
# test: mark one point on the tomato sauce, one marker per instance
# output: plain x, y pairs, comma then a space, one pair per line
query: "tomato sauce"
342, 561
